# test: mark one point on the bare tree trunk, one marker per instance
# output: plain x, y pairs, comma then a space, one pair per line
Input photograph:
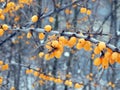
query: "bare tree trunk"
113, 31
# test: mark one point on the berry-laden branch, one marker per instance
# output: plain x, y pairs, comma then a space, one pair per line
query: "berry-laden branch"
93, 40
108, 53
56, 43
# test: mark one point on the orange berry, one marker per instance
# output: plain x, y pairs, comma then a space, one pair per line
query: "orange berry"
41, 36
79, 46
1, 32
72, 41
97, 62
83, 10
5, 27
107, 54
5, 67
17, 18
34, 18
51, 19
111, 61
101, 45
36, 73
97, 50
105, 63
47, 28
1, 11
87, 46
109, 50
63, 40
68, 11
57, 53
114, 55
2, 17
55, 43
118, 59
81, 41
29, 71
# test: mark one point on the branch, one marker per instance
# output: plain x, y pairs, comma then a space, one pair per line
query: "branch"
8, 38
93, 40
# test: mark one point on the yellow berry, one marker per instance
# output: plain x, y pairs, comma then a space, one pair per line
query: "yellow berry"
88, 12
47, 57
78, 85
47, 28
1, 62
55, 43
68, 83
109, 83
83, 10
48, 46
58, 80
5, 27
113, 85
41, 54
29, 35
1, 80
68, 11
34, 18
